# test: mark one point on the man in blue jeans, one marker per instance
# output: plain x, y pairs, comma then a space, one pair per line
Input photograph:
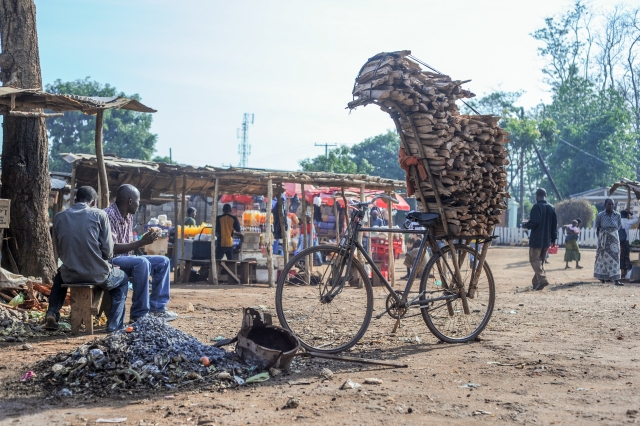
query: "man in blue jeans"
84, 244
139, 268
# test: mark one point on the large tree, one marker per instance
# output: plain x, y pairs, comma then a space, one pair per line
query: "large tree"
25, 167
381, 152
125, 133
338, 160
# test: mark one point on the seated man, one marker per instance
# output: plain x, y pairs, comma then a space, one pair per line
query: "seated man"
139, 268
84, 243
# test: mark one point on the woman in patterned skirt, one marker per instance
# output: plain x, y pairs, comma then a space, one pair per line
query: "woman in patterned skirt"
607, 266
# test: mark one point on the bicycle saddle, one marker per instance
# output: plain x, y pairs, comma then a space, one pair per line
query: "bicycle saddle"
423, 218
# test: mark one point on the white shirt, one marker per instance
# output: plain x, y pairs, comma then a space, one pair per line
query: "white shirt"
628, 223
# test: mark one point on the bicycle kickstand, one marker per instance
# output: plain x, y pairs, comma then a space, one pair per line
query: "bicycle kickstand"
395, 327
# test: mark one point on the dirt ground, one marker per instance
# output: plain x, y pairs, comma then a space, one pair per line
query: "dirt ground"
567, 354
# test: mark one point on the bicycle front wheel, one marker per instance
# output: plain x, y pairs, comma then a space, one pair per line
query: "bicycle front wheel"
329, 307
446, 318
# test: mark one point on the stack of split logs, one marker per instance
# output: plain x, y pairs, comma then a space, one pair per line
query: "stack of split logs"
454, 162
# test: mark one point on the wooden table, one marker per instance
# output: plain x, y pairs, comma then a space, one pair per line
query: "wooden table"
236, 271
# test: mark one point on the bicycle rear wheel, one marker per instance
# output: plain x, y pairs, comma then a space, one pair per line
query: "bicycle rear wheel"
329, 310
446, 319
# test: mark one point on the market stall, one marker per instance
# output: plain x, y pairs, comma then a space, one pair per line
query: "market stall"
157, 181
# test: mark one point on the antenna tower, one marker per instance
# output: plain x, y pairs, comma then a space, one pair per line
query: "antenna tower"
244, 148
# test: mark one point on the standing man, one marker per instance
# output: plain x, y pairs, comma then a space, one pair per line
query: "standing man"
139, 268
190, 220
226, 224
543, 225
375, 219
84, 244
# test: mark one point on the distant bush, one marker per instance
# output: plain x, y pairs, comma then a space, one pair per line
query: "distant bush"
569, 210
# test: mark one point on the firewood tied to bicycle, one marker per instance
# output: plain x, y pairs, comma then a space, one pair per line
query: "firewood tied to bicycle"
455, 165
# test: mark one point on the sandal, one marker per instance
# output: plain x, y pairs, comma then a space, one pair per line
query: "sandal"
579, 267
567, 267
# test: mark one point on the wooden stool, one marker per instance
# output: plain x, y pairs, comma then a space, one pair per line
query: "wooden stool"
86, 301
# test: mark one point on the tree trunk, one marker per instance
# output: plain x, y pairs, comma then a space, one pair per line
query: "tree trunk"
25, 151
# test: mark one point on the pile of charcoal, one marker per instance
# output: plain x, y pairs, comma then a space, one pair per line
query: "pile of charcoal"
150, 356
17, 326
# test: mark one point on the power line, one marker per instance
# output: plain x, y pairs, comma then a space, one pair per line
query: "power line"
585, 152
326, 147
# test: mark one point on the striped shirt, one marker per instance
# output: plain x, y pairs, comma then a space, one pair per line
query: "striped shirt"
121, 228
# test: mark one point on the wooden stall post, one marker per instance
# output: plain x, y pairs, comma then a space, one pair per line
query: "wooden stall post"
282, 218
72, 191
336, 215
360, 233
176, 224
269, 234
306, 237
392, 257
102, 170
184, 274
213, 272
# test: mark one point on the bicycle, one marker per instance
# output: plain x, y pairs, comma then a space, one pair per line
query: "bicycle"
329, 306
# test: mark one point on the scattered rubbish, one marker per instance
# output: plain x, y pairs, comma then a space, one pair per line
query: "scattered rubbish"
239, 380
470, 386
18, 300
215, 339
620, 338
275, 372
513, 312
258, 378
350, 384
205, 361
481, 413
112, 420
582, 389
635, 305
291, 403
224, 376
64, 392
191, 308
299, 382
373, 381
326, 373
27, 376
521, 304
375, 407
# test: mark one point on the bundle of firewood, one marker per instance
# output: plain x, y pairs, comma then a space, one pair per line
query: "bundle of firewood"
458, 157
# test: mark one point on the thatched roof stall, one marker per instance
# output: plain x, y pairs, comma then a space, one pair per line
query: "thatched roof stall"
22, 102
157, 180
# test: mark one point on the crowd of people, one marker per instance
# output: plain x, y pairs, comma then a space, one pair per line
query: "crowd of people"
612, 254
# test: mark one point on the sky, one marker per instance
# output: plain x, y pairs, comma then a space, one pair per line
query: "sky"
204, 63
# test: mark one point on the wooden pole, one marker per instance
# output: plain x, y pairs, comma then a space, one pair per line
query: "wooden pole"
176, 230
213, 273
184, 274
336, 216
306, 237
392, 257
72, 191
269, 234
283, 231
360, 233
102, 169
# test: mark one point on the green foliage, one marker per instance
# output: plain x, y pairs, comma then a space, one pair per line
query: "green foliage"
381, 152
377, 156
162, 159
597, 122
338, 160
571, 209
125, 133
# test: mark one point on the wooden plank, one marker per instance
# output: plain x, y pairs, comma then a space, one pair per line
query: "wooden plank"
183, 212
306, 237
223, 263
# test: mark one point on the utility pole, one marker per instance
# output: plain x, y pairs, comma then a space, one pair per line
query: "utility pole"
326, 147
244, 148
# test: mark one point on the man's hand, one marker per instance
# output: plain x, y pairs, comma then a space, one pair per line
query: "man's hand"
149, 237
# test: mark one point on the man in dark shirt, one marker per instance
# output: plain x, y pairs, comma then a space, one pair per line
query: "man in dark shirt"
543, 224
190, 220
84, 244
226, 223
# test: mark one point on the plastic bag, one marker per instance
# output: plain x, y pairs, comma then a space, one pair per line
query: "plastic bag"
19, 299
